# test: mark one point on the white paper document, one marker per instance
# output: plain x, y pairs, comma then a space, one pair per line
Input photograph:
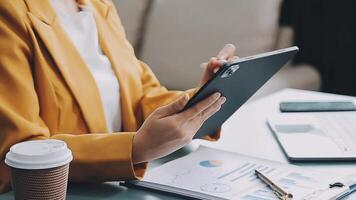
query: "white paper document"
215, 174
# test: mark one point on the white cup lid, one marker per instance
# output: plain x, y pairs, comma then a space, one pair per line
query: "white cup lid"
38, 154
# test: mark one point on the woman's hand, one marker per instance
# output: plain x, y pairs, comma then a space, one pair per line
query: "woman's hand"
167, 129
226, 54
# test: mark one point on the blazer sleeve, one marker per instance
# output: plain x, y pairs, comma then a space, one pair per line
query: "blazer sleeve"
156, 95
97, 157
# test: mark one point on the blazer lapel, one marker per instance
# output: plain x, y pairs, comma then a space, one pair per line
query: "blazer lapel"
70, 64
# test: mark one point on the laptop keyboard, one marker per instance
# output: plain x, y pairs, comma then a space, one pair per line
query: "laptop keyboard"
341, 127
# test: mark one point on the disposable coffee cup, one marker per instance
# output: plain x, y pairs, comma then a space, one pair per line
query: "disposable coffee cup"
39, 169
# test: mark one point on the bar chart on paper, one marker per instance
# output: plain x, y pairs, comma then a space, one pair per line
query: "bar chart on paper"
224, 175
292, 181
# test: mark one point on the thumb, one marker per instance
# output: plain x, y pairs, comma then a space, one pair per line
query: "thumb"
226, 52
174, 107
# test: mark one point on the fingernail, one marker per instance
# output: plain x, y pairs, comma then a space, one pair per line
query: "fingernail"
217, 94
222, 62
230, 46
222, 100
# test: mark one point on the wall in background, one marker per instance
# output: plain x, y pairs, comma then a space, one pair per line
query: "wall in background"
182, 34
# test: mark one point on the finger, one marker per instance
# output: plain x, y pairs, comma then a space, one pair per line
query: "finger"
215, 64
219, 66
233, 58
199, 107
173, 107
204, 65
227, 52
198, 121
212, 61
222, 62
206, 114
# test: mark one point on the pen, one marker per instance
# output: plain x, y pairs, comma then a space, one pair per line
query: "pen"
281, 194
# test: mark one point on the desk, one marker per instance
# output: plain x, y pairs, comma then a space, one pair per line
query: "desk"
245, 132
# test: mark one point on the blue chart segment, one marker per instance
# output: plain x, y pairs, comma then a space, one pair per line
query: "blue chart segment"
298, 176
295, 179
261, 194
211, 163
246, 170
250, 197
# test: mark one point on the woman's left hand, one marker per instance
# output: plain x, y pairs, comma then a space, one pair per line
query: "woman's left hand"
226, 54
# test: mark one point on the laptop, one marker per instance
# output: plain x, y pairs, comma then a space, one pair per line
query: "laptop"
322, 136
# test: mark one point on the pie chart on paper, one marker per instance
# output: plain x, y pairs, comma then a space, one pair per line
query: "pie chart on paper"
211, 163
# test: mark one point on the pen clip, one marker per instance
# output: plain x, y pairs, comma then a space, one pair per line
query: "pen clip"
280, 196
278, 191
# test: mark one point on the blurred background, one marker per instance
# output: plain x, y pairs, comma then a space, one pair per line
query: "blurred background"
175, 36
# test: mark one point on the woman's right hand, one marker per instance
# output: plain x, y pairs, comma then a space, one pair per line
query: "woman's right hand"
167, 129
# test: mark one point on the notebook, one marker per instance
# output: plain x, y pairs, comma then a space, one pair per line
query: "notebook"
214, 174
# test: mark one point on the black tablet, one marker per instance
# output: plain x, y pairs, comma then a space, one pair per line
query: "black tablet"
238, 81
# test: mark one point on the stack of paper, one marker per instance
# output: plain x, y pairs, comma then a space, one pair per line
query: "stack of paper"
215, 174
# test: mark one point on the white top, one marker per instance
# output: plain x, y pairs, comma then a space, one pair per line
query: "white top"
38, 154
82, 30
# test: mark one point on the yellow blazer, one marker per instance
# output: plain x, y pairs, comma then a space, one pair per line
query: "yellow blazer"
47, 91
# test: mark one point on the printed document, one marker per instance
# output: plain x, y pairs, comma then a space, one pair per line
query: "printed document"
210, 173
